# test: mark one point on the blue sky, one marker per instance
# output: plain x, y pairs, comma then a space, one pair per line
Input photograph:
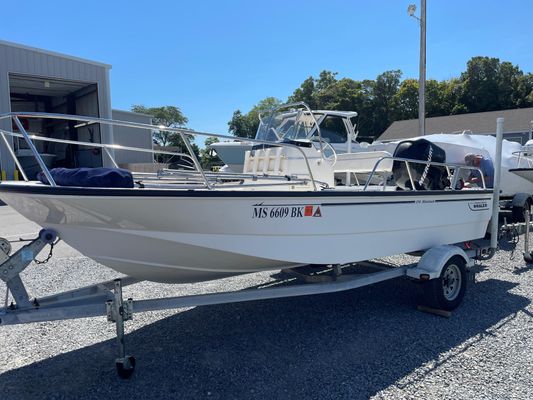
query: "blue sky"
212, 57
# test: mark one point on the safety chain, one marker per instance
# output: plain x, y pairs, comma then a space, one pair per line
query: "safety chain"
511, 236
47, 258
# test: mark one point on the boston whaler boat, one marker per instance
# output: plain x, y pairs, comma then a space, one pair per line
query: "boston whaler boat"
171, 231
285, 209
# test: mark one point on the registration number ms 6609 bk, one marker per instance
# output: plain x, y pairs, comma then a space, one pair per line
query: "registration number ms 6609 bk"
263, 211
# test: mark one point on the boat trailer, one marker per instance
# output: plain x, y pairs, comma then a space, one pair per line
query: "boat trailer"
441, 270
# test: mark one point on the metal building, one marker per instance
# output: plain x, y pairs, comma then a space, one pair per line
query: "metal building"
33, 79
132, 137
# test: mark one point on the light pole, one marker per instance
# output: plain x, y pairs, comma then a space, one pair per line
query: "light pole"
422, 78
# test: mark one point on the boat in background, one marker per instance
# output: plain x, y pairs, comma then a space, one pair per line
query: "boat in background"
524, 164
293, 121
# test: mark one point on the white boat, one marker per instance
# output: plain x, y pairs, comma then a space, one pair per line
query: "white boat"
524, 162
183, 226
293, 121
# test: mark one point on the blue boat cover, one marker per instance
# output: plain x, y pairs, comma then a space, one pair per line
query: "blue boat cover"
90, 177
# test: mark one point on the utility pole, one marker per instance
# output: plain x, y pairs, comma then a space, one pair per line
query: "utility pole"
422, 78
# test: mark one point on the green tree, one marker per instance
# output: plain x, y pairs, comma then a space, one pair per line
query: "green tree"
525, 90
508, 85
305, 93
171, 117
311, 89
406, 100
168, 116
480, 84
345, 94
453, 91
366, 115
208, 157
438, 100
385, 89
325, 80
240, 125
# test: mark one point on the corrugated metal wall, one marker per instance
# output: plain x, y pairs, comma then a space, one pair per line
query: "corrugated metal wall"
132, 137
27, 61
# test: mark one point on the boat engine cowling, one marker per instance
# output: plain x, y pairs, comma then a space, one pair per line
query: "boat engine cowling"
425, 176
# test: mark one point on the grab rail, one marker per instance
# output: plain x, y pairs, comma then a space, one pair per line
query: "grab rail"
523, 154
184, 133
407, 161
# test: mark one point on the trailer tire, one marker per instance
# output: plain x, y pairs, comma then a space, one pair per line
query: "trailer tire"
518, 212
447, 291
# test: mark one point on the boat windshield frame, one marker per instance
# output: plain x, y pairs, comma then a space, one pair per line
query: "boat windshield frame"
304, 110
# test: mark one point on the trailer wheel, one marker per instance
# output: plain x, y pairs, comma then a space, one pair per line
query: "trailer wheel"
447, 291
125, 367
519, 213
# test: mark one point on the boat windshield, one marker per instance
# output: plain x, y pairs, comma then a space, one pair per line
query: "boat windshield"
287, 122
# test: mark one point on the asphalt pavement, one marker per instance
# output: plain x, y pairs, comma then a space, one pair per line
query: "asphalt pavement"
365, 343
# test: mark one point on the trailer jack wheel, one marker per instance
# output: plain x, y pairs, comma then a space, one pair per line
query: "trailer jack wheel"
447, 291
119, 311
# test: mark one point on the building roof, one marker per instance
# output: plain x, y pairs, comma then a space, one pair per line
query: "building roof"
517, 120
53, 53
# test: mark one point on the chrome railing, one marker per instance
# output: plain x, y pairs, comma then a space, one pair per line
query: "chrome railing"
184, 134
455, 176
198, 175
526, 155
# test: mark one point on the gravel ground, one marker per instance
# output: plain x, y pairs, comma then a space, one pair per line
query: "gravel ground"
365, 343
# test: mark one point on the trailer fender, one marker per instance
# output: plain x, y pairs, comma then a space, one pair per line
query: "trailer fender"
433, 260
521, 199
520, 204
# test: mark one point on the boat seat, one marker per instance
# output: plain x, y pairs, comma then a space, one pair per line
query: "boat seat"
268, 161
90, 177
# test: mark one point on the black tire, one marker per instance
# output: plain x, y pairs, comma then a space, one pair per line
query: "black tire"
519, 213
447, 291
123, 372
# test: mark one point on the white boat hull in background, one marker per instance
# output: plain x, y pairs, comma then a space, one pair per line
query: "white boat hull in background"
169, 237
524, 173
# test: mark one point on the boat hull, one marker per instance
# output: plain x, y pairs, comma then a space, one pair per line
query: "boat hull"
180, 236
525, 173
